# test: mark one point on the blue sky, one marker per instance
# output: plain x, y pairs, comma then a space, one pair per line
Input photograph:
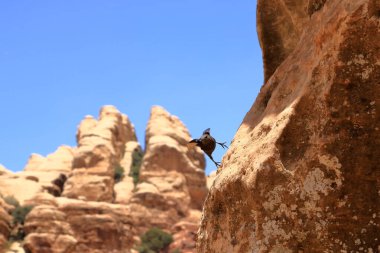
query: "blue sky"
61, 60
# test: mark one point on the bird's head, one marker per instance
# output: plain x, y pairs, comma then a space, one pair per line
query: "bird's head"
207, 131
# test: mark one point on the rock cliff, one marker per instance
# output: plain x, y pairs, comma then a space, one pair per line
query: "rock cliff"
302, 172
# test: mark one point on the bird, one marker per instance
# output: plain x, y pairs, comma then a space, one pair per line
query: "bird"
207, 143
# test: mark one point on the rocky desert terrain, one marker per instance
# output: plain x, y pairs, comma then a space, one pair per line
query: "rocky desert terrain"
301, 175
82, 204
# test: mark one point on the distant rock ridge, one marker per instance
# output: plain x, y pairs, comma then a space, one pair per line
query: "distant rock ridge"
38, 175
78, 205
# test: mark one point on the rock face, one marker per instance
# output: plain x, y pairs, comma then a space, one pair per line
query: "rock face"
47, 227
69, 225
60, 161
40, 174
101, 146
5, 223
124, 188
302, 172
99, 227
279, 26
185, 233
211, 178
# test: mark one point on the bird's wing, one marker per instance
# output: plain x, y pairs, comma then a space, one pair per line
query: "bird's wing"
207, 131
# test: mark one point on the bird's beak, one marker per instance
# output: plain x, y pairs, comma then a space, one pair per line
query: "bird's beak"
191, 145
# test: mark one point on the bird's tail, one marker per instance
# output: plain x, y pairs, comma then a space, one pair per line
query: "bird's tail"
193, 143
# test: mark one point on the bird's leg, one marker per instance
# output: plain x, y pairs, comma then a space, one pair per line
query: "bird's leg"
223, 144
217, 164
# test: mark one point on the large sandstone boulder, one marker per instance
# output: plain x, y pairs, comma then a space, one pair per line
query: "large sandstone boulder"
302, 172
279, 28
101, 145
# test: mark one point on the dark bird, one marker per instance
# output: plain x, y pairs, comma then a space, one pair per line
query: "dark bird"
207, 143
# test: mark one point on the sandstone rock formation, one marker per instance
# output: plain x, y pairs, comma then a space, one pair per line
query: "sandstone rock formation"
47, 227
3, 170
124, 188
5, 223
302, 172
15, 247
279, 26
185, 233
167, 153
169, 193
69, 225
101, 146
60, 161
40, 174
172, 183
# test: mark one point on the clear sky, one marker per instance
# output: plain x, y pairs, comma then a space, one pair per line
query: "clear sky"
61, 60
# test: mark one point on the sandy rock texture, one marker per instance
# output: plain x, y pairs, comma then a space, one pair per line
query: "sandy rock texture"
3, 170
40, 174
101, 145
302, 173
69, 225
47, 227
5, 223
211, 178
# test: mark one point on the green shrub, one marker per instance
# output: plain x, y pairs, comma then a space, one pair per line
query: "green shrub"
19, 214
137, 156
154, 240
10, 200
118, 173
176, 251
